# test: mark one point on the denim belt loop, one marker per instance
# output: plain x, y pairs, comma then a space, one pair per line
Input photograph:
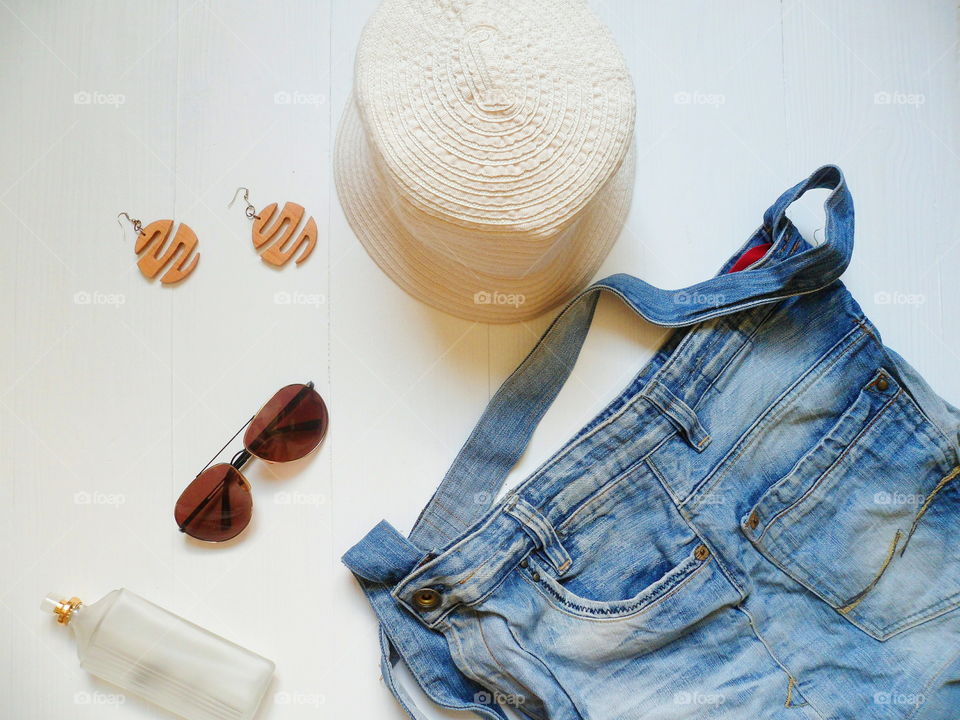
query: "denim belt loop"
541, 531
679, 413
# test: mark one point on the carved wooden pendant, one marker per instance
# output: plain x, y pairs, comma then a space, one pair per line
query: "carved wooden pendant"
179, 256
276, 242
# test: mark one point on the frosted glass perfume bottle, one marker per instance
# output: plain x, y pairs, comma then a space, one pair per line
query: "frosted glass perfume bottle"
161, 657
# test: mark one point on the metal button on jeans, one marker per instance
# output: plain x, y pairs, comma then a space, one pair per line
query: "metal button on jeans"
426, 598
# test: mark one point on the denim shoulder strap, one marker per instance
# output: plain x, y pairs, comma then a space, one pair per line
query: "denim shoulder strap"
513, 413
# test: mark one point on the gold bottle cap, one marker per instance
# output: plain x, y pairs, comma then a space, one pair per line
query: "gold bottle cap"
63, 609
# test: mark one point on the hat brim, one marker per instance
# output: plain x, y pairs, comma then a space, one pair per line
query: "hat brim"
434, 275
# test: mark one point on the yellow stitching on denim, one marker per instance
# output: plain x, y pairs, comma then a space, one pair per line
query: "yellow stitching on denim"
790, 684
926, 505
867, 330
462, 580
858, 598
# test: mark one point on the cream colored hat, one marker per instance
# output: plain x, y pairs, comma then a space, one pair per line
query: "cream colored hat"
485, 158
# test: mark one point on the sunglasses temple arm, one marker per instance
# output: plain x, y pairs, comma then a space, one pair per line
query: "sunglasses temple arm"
226, 444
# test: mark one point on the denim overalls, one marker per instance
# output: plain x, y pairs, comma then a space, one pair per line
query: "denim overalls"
765, 523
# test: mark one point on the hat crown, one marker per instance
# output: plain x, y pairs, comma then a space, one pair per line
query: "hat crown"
503, 117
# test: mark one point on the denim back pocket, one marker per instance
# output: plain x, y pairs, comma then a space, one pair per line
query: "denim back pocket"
868, 518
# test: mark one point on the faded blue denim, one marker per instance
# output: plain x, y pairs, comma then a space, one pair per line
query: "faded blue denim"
765, 523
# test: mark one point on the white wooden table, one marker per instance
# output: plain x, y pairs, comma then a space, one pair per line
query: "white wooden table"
115, 391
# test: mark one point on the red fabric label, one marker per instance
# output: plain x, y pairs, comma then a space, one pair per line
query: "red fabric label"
750, 257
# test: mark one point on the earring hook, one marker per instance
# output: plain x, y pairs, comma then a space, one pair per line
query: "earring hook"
251, 211
137, 225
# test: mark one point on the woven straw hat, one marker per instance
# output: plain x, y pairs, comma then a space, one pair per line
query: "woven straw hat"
485, 157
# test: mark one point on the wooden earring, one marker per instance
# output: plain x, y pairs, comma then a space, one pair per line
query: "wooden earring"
179, 256
276, 243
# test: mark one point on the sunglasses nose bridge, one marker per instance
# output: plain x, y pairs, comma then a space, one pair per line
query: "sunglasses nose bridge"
240, 459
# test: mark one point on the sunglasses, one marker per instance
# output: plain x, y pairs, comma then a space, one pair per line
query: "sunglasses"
217, 505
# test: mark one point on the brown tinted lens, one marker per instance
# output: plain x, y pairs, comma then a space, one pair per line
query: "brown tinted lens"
216, 506
289, 426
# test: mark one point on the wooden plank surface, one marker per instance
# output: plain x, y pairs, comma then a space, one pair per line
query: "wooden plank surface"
114, 391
